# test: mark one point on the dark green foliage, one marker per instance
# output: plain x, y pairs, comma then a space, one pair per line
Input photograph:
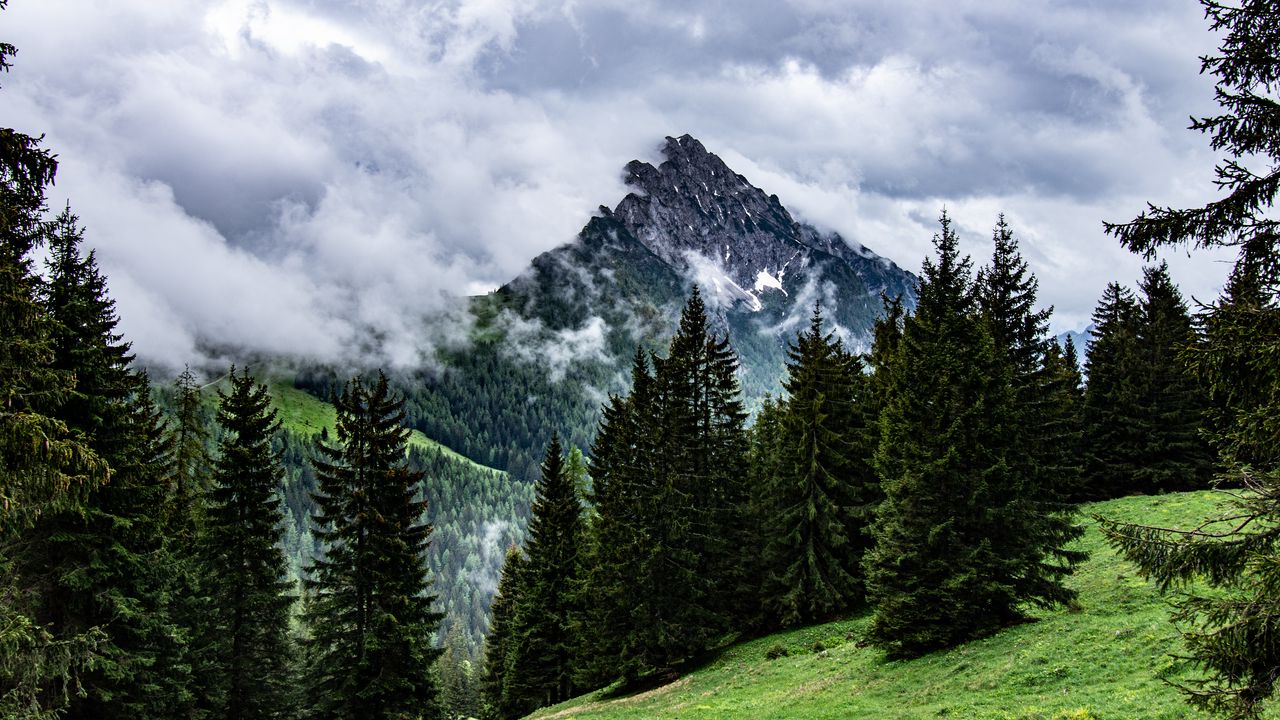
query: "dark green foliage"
1113, 400
192, 467
43, 467
669, 471
541, 655
244, 629
107, 566
961, 545
459, 688
1175, 456
371, 621
1035, 526
1231, 633
1143, 410
500, 644
821, 490
607, 580
1063, 450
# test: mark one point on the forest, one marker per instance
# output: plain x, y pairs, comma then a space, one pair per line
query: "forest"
165, 553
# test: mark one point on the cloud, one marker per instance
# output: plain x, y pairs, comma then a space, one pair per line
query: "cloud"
323, 177
531, 342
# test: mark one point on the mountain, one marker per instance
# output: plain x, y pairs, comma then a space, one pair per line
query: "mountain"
691, 220
548, 347
1082, 339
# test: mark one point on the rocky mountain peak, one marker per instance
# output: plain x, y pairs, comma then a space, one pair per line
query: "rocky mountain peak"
698, 215
694, 211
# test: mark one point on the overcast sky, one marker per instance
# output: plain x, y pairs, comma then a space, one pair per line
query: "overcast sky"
278, 173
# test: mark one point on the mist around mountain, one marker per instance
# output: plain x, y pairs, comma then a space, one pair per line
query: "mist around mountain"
544, 352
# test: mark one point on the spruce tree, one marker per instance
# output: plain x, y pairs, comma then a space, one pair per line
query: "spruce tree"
1175, 455
1230, 633
823, 486
667, 571
459, 695
610, 572
1062, 459
692, 500
108, 566
945, 567
1113, 402
542, 664
44, 468
192, 467
247, 621
1036, 524
369, 614
500, 643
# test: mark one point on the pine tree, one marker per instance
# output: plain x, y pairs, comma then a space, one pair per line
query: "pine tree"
1062, 458
192, 467
667, 571
370, 617
945, 568
1174, 456
499, 644
692, 500
1230, 633
542, 665
246, 628
459, 696
822, 487
1036, 525
610, 572
108, 566
1113, 411
1007, 297
44, 468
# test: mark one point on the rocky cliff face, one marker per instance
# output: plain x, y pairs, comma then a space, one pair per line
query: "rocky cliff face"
693, 220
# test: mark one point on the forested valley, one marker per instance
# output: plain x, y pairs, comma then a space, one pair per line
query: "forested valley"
313, 544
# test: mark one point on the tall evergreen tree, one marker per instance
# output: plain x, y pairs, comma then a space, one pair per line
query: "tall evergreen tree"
823, 486
1007, 297
666, 574
609, 586
1113, 407
500, 643
1174, 456
44, 468
459, 694
945, 568
544, 648
370, 616
192, 467
1062, 456
1231, 633
1036, 524
247, 624
108, 565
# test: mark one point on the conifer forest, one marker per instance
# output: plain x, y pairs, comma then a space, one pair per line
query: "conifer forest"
659, 454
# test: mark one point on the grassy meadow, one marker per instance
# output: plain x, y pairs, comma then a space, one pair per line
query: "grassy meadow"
1107, 660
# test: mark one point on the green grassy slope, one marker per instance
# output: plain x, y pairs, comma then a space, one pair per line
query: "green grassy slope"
304, 414
1106, 660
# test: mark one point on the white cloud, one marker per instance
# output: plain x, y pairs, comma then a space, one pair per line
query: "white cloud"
302, 176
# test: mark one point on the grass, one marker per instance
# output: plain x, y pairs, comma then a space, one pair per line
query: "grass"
304, 414
1106, 661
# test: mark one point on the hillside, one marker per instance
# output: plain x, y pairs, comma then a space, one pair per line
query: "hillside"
476, 510
302, 413
1109, 659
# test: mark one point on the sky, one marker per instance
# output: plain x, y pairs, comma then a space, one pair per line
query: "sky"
299, 176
